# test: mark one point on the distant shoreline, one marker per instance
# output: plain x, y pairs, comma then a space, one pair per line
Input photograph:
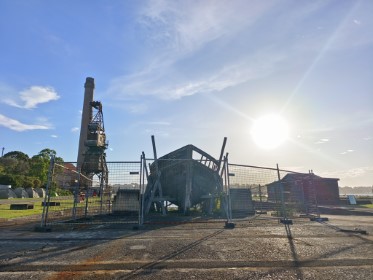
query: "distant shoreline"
358, 194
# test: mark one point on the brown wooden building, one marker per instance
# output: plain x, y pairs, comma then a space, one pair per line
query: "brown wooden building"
304, 188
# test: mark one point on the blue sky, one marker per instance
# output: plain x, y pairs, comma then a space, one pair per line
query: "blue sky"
192, 72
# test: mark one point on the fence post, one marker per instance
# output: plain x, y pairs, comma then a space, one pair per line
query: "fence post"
44, 216
314, 194
141, 192
285, 219
143, 174
260, 198
101, 192
228, 224
229, 191
76, 196
86, 202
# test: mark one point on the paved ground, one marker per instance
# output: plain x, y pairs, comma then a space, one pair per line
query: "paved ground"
257, 249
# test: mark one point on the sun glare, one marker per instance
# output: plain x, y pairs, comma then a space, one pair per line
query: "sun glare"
270, 131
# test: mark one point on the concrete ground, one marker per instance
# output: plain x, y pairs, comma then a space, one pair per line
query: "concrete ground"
259, 248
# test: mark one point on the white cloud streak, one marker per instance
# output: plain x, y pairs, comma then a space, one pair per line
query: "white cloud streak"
18, 126
209, 46
346, 152
180, 30
350, 173
186, 26
322, 141
31, 97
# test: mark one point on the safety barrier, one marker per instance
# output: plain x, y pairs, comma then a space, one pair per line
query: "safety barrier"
174, 191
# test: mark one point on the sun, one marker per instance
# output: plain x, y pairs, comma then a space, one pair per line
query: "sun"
270, 131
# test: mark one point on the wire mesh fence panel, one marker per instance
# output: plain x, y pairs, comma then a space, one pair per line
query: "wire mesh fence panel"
125, 186
77, 197
174, 189
301, 192
259, 190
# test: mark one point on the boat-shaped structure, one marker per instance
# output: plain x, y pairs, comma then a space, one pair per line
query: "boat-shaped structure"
185, 177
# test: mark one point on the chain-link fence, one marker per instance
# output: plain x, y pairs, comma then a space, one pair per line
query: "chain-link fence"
263, 190
174, 189
75, 197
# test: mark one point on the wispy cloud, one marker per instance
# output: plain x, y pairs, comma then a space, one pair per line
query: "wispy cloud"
207, 46
349, 173
162, 128
137, 108
54, 136
18, 126
322, 141
31, 97
155, 123
345, 122
160, 133
214, 80
186, 26
353, 31
58, 46
75, 129
347, 151
179, 33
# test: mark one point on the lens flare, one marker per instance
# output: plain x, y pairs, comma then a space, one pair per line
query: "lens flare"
270, 131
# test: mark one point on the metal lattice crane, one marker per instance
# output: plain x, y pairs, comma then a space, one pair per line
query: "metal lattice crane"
94, 160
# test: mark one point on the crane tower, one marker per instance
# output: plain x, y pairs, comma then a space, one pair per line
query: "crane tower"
92, 142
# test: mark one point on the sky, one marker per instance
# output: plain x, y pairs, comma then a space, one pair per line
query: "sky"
194, 72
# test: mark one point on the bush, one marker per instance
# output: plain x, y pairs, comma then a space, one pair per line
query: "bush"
62, 192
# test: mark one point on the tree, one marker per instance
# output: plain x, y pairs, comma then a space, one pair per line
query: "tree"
39, 164
36, 182
27, 182
47, 154
6, 179
17, 155
22, 167
39, 168
18, 170
8, 165
15, 162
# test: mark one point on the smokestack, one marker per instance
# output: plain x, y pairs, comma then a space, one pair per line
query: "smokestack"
89, 87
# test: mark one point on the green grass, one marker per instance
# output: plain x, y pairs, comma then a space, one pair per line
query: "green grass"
65, 204
6, 213
367, 205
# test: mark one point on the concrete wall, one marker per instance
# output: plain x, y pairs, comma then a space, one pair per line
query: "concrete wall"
241, 201
126, 201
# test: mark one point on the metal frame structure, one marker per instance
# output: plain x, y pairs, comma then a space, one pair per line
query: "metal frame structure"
120, 204
94, 160
181, 179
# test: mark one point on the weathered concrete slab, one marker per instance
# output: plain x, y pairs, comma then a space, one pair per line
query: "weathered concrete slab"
260, 248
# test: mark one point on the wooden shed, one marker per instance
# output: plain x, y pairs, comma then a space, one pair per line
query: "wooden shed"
305, 187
